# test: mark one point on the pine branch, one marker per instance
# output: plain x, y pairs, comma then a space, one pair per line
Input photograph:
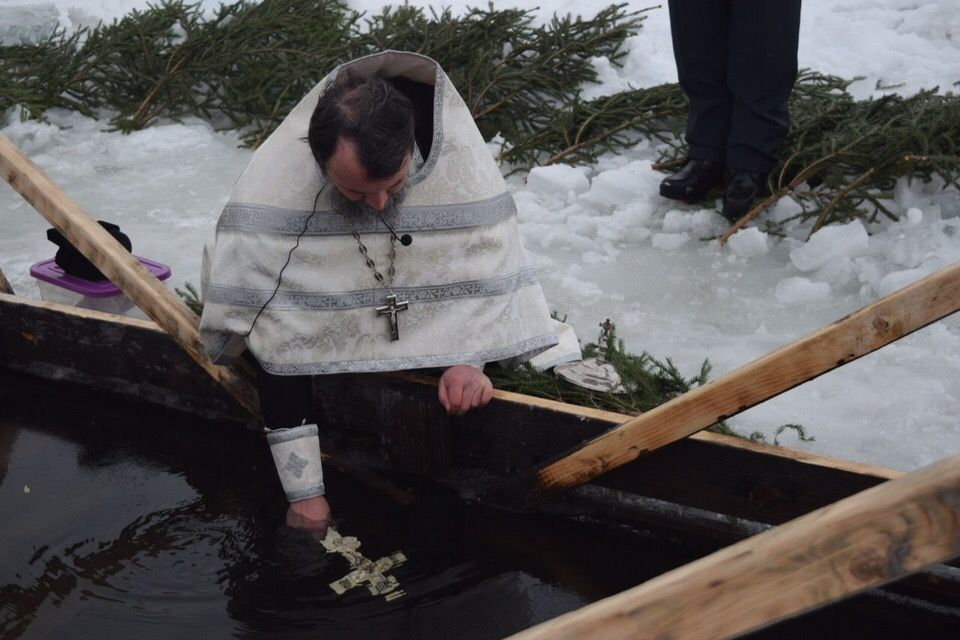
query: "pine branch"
245, 67
47, 75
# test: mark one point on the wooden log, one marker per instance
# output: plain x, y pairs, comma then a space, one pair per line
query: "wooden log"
125, 271
861, 542
860, 333
5, 284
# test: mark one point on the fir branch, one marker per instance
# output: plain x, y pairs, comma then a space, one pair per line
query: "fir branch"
801, 433
47, 75
245, 67
190, 298
827, 210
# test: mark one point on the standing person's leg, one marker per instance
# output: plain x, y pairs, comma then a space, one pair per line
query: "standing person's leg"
699, 30
762, 68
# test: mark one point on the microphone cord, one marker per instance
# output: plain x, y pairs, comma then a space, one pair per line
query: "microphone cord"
406, 239
306, 225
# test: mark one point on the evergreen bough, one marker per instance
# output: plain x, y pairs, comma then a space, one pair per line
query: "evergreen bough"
647, 381
246, 64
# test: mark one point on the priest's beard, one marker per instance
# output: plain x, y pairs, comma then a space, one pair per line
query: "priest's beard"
358, 209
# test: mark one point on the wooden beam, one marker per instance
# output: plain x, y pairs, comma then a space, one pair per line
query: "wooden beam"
858, 543
860, 333
125, 271
5, 284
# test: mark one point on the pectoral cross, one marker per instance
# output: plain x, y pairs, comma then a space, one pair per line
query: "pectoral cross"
392, 308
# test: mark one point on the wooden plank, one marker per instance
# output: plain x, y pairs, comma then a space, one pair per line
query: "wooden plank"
587, 413
125, 271
859, 543
120, 355
860, 333
5, 284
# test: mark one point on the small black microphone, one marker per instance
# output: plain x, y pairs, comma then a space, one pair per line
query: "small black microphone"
406, 240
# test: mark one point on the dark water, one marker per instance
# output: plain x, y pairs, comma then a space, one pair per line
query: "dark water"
143, 524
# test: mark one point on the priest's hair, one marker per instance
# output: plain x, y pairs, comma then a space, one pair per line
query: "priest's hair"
369, 112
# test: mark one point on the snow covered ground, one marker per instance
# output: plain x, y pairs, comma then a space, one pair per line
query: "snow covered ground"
607, 245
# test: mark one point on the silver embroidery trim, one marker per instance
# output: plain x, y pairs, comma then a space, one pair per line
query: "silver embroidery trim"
417, 157
215, 342
437, 145
303, 494
419, 362
257, 218
277, 436
341, 300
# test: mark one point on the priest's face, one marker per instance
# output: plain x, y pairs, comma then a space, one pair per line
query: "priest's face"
345, 172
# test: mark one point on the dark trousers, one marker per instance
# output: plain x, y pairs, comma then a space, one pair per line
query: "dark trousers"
285, 401
737, 63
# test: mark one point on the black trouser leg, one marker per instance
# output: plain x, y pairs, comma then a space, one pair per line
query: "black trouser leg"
285, 401
761, 71
699, 30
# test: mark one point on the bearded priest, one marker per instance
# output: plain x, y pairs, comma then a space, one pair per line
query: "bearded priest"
372, 231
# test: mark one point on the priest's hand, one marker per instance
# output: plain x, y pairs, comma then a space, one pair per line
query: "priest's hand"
311, 514
462, 388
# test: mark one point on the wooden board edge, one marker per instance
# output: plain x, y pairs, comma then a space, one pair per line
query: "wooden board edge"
614, 419
81, 313
805, 457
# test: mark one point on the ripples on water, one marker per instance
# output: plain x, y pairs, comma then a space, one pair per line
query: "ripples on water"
140, 524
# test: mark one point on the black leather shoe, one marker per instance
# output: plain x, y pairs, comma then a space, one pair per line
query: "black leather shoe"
743, 188
693, 181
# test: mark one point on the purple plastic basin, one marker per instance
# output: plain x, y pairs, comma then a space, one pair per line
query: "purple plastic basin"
48, 271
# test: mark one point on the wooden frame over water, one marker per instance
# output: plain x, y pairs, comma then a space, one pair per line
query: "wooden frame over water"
708, 486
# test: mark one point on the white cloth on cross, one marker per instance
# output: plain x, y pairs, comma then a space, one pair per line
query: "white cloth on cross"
364, 570
472, 294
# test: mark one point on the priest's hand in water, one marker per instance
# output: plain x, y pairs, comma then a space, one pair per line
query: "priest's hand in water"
462, 388
312, 514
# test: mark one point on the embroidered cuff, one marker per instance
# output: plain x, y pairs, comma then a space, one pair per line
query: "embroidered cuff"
296, 452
